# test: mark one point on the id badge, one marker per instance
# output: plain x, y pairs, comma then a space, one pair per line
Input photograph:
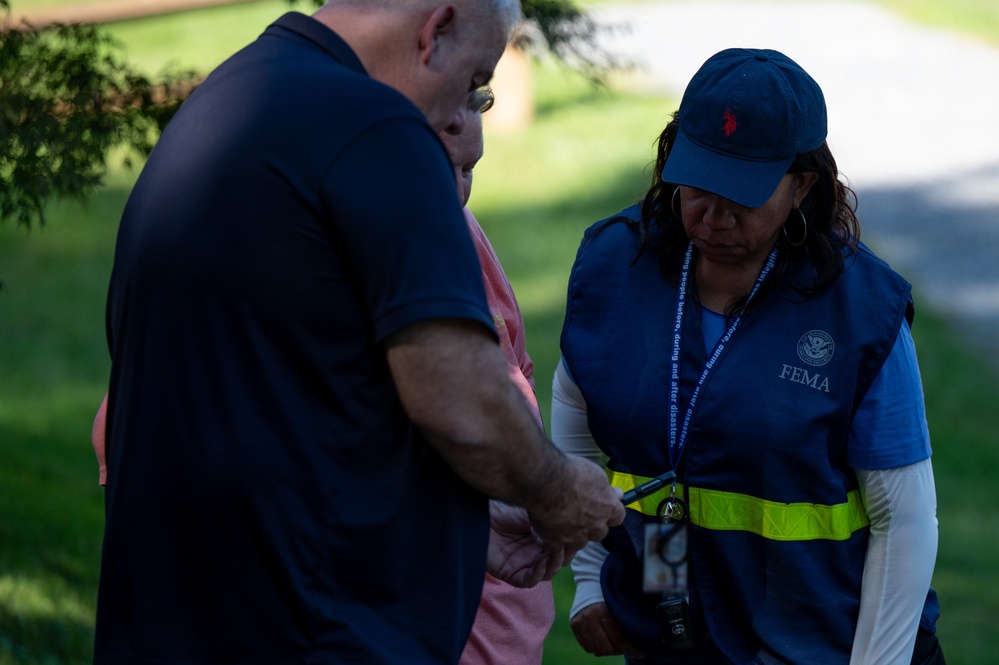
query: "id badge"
665, 551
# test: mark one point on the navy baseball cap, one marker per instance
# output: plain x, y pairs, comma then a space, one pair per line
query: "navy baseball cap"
745, 115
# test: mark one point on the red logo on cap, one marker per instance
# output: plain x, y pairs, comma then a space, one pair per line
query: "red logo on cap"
730, 123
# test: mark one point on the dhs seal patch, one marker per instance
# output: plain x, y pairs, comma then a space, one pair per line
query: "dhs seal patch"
816, 348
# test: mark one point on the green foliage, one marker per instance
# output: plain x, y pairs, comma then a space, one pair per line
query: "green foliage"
563, 29
66, 100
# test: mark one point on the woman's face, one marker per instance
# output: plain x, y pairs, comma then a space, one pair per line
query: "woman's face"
725, 232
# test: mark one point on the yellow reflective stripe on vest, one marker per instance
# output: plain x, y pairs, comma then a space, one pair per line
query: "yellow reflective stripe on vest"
648, 505
728, 511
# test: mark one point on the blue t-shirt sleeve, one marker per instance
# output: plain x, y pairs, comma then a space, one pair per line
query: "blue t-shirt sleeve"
394, 204
889, 429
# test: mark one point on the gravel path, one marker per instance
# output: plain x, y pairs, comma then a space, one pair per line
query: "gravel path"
912, 125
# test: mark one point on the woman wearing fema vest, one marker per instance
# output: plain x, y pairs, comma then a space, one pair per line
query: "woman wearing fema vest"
733, 329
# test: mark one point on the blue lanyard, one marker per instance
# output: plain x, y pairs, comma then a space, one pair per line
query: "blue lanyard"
676, 443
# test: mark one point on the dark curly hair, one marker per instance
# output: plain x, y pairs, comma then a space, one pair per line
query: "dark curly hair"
830, 210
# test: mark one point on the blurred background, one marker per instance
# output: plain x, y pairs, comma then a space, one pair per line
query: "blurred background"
910, 86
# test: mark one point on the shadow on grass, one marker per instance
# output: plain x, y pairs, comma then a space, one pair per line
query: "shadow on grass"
58, 641
54, 364
51, 522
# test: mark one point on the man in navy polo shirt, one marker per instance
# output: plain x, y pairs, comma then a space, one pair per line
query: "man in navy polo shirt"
308, 408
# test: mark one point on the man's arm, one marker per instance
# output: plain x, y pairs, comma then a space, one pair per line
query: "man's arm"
453, 382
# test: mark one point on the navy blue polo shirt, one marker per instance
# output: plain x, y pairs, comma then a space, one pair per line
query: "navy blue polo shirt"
268, 500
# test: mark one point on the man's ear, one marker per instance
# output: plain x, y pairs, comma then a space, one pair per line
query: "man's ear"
438, 25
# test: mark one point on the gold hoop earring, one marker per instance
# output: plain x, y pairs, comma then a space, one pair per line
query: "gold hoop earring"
672, 203
804, 231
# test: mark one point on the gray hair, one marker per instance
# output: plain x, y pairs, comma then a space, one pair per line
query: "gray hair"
510, 11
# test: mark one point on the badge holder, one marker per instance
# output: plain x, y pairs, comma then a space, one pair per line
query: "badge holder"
665, 570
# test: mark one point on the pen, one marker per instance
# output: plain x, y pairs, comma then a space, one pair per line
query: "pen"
647, 488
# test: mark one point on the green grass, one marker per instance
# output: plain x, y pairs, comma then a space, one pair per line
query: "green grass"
190, 40
569, 172
961, 395
978, 18
53, 365
970, 17
585, 156
193, 40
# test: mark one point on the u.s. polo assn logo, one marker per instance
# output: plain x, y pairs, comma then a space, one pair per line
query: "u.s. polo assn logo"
816, 348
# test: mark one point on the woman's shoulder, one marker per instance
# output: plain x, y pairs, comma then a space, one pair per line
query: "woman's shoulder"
863, 260
621, 229
869, 278
610, 257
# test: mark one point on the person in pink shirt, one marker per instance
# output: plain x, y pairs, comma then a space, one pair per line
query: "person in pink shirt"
512, 622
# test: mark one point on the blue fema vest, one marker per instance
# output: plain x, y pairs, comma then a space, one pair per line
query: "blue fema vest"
778, 533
